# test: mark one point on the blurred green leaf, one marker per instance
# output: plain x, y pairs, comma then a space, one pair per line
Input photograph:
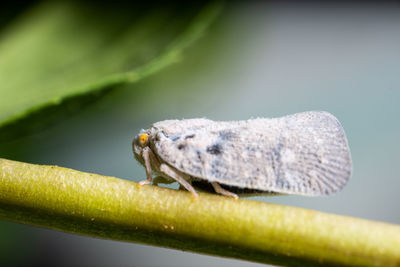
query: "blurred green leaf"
62, 55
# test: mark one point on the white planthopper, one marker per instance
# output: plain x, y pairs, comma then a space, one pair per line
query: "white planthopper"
304, 154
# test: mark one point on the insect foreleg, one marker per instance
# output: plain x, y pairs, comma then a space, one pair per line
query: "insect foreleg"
148, 158
179, 177
223, 191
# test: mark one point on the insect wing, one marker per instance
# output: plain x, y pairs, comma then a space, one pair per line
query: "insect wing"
304, 153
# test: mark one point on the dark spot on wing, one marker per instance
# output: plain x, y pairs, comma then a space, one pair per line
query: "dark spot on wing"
189, 136
226, 135
273, 163
215, 169
318, 158
181, 146
215, 149
277, 165
198, 155
277, 154
279, 146
173, 137
251, 148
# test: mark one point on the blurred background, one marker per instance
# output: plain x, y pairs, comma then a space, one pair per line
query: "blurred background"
258, 59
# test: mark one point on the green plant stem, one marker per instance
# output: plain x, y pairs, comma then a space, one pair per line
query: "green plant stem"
112, 208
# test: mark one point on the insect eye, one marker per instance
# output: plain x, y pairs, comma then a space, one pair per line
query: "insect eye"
143, 138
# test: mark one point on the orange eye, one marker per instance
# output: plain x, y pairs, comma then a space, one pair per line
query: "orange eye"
143, 138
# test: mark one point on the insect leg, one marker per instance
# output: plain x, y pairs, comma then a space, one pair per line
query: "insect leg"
147, 163
179, 177
223, 191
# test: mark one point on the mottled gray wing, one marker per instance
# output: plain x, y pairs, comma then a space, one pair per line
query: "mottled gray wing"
305, 153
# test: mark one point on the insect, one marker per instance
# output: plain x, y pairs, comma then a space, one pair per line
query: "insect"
305, 154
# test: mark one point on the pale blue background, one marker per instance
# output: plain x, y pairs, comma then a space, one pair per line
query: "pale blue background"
258, 60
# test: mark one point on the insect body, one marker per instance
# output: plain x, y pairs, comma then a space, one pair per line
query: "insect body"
304, 153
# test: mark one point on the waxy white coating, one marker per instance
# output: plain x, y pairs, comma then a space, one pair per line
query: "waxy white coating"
305, 153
